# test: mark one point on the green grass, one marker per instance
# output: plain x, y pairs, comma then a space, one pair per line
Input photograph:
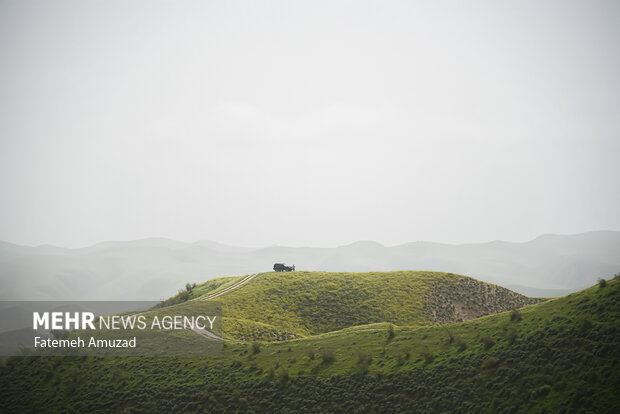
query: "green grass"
197, 290
444, 342
310, 303
556, 356
215, 285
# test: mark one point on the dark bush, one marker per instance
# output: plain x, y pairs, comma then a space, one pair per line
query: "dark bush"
540, 392
511, 335
283, 374
450, 335
487, 342
363, 362
490, 363
585, 324
327, 356
363, 357
183, 296
428, 357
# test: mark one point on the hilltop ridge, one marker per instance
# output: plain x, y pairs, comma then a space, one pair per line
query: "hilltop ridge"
278, 306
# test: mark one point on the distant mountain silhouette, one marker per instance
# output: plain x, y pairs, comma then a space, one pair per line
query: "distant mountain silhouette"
150, 269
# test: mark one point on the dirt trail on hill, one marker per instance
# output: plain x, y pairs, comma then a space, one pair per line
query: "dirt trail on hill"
209, 334
230, 288
204, 332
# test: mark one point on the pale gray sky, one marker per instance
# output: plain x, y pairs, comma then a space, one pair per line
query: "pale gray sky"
308, 123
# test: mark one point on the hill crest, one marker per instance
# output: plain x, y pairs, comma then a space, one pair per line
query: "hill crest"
276, 306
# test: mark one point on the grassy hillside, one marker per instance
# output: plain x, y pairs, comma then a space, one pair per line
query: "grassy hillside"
557, 356
300, 304
192, 291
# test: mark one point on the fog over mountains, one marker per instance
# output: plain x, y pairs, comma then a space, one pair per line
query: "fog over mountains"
152, 269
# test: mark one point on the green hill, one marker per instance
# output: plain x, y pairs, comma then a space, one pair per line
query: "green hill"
556, 356
301, 304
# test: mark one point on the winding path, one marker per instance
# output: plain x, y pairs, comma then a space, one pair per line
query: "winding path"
204, 332
229, 288
209, 334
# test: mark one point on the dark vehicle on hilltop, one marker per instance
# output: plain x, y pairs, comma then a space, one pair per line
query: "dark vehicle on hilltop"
281, 267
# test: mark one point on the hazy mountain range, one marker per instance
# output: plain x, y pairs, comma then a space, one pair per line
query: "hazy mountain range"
155, 268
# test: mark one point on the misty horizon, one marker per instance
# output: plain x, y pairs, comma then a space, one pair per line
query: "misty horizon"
206, 240
310, 124
148, 269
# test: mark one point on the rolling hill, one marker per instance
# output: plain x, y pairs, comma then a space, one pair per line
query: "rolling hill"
299, 304
555, 356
